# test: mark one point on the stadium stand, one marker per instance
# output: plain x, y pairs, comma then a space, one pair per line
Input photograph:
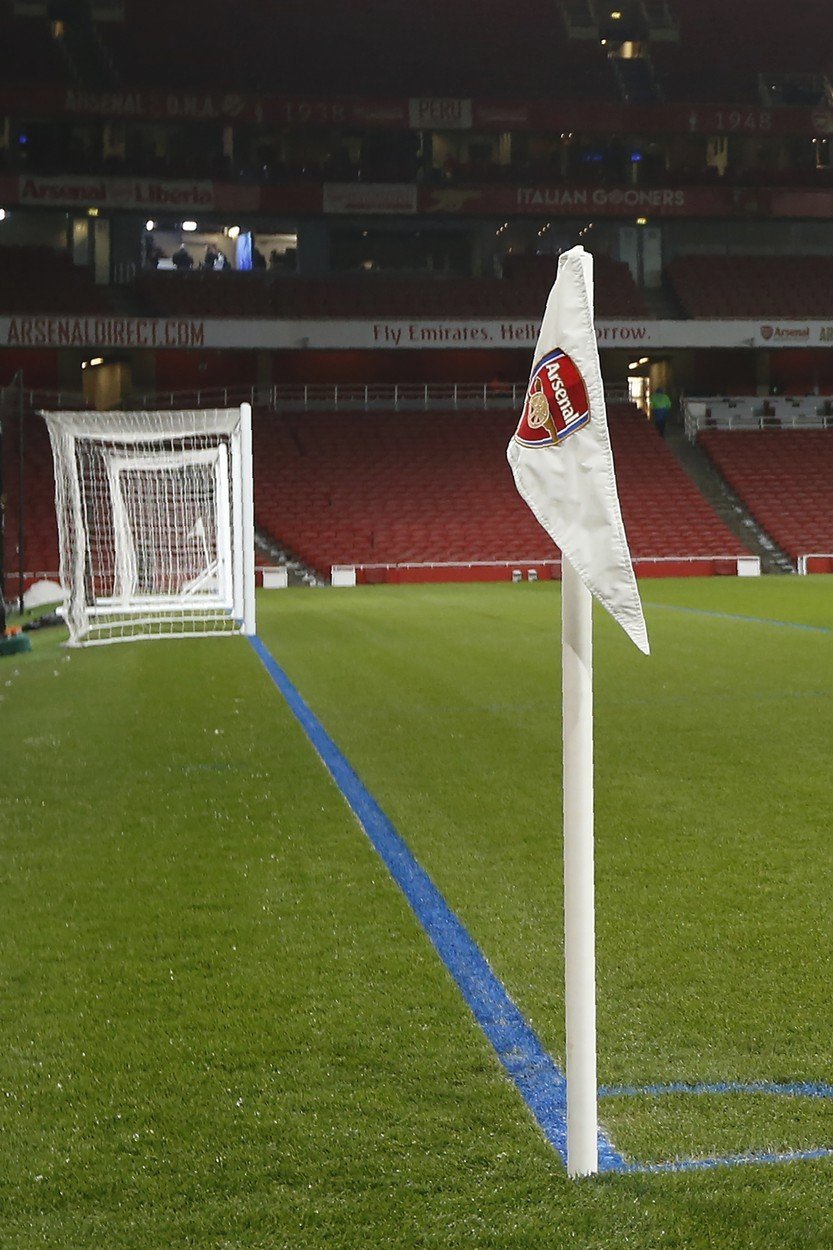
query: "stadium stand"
615, 291
753, 286
28, 52
521, 293
699, 49
43, 280
384, 488
421, 53
785, 478
40, 552
723, 48
387, 488
204, 294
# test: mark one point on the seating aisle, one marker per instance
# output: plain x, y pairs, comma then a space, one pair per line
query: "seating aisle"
785, 478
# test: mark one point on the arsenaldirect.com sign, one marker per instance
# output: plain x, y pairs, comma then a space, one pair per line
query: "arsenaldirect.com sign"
212, 333
102, 332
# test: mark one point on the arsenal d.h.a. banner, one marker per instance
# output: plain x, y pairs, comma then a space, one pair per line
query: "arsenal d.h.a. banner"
560, 453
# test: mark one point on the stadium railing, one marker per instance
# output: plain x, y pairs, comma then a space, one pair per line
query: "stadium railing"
533, 570
815, 562
754, 412
398, 396
325, 396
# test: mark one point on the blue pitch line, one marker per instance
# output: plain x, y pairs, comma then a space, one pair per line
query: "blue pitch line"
734, 616
792, 1089
726, 1161
540, 1082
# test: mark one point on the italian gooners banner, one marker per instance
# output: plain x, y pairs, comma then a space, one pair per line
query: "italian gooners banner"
560, 453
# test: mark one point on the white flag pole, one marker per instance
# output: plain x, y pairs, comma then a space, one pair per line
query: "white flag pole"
579, 907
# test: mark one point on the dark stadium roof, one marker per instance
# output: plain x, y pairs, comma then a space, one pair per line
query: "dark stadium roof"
483, 48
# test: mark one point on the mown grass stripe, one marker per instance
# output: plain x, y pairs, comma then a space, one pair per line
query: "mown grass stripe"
536, 1076
736, 616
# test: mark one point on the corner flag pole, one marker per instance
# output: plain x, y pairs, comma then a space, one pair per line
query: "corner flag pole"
579, 906
562, 463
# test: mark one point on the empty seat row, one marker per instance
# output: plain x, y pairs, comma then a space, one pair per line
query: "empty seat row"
753, 286
521, 294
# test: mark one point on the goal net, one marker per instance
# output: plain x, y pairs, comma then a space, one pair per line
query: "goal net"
155, 522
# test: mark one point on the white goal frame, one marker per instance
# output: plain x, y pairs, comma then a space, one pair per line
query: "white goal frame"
155, 522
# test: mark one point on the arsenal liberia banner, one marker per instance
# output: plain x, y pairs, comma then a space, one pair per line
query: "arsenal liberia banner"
560, 453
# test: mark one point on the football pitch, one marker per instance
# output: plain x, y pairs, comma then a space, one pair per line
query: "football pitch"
222, 1025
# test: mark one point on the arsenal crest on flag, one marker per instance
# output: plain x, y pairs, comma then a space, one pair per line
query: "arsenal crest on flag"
560, 453
556, 402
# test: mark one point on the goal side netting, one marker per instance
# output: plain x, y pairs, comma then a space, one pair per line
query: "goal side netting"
155, 522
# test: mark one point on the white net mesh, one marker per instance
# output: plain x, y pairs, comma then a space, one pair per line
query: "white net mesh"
155, 522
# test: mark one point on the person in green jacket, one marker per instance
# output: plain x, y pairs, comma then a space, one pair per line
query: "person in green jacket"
660, 408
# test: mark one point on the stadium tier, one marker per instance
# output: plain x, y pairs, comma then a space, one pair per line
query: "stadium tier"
424, 488
35, 471
700, 49
354, 170
386, 489
430, 50
28, 52
204, 294
785, 478
44, 280
721, 48
753, 286
522, 293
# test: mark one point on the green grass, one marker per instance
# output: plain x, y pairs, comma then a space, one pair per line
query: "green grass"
222, 1027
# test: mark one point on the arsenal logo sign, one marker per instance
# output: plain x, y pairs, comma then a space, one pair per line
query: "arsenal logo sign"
556, 402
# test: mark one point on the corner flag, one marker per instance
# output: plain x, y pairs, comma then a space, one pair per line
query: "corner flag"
561, 458
560, 453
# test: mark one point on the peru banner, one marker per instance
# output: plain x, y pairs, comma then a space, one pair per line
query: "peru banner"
560, 453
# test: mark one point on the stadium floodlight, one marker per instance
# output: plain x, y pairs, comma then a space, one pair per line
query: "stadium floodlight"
155, 522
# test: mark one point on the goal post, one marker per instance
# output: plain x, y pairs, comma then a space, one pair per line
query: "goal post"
155, 522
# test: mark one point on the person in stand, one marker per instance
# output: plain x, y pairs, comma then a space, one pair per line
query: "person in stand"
153, 254
182, 259
211, 257
258, 259
660, 408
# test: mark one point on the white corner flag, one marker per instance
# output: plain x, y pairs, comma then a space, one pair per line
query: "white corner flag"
560, 453
563, 466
